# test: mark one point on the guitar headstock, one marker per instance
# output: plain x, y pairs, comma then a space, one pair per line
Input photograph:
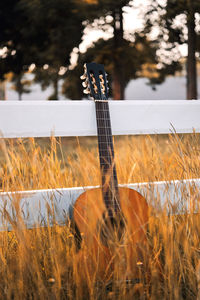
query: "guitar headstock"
95, 81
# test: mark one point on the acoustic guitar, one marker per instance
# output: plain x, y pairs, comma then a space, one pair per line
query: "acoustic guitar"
111, 220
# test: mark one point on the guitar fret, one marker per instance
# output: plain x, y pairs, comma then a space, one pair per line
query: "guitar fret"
106, 150
100, 127
106, 147
104, 119
104, 126
105, 123
105, 132
104, 139
106, 143
105, 158
101, 142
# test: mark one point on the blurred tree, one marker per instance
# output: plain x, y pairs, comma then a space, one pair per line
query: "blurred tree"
123, 59
63, 31
137, 59
15, 56
100, 9
173, 18
115, 9
39, 32
20, 84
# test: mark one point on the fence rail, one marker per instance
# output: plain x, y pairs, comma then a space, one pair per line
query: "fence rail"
77, 118
41, 207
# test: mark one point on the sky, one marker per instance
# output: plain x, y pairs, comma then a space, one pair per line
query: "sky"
133, 20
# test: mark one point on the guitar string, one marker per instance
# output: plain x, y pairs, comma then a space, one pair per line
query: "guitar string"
103, 154
103, 116
110, 149
106, 131
109, 158
115, 182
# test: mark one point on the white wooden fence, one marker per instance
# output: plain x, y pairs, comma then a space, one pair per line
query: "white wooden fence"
77, 118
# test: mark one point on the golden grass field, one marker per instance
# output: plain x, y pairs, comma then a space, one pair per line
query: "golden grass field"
41, 263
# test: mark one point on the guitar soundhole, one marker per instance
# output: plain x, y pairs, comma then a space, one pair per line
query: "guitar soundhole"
111, 229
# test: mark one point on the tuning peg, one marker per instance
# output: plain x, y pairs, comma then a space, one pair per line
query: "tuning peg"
86, 91
101, 78
83, 77
103, 89
85, 84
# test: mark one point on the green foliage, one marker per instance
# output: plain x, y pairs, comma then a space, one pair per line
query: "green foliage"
95, 9
177, 7
174, 9
129, 60
40, 32
110, 5
62, 28
44, 33
16, 57
163, 18
133, 56
175, 21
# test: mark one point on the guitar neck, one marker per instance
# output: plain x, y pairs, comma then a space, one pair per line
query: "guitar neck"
96, 85
106, 155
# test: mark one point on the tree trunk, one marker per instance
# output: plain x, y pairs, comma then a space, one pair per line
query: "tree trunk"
2, 90
118, 76
55, 85
55, 96
19, 87
191, 59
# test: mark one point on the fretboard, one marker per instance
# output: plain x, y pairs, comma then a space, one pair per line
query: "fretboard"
106, 155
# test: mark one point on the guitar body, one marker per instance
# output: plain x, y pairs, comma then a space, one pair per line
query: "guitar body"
96, 257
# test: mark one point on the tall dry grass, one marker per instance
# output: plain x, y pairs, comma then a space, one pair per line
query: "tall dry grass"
41, 263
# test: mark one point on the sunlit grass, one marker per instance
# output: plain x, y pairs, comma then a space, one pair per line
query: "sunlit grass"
43, 263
